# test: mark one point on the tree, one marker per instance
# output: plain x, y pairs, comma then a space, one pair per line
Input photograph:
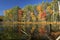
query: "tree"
29, 10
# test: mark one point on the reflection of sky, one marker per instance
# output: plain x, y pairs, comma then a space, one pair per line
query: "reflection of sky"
7, 4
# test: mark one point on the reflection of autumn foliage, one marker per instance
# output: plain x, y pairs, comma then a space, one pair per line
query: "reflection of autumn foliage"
33, 28
42, 30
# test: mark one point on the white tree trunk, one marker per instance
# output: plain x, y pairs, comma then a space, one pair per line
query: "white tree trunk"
59, 6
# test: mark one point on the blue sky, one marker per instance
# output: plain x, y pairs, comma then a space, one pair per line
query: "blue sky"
7, 4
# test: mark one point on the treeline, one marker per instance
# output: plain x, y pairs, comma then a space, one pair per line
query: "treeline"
45, 11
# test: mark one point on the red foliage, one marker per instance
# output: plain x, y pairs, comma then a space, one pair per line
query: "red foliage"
43, 14
20, 12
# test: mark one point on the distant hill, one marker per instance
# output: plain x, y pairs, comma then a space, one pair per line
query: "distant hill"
1, 18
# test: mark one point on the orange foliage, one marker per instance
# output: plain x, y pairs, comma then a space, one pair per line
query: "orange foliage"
39, 8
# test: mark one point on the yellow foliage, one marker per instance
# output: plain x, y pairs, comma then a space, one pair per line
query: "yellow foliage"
33, 16
7, 11
49, 7
24, 16
50, 10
